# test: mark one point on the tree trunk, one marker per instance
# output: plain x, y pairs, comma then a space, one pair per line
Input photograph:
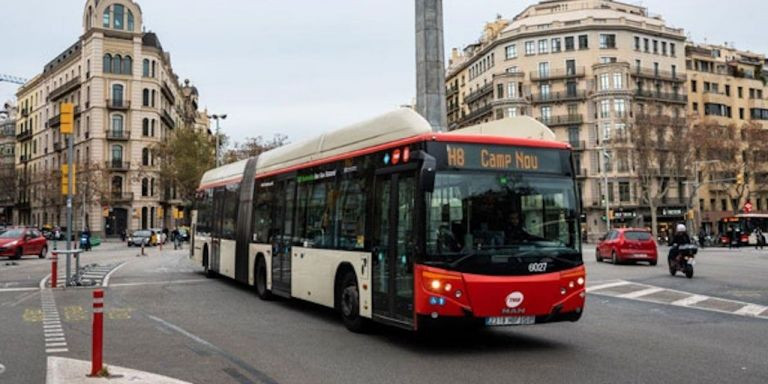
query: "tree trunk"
654, 220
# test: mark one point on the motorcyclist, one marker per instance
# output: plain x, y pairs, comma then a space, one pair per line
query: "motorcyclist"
680, 238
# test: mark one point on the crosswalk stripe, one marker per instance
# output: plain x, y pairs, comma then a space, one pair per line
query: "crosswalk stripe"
751, 310
640, 293
688, 301
607, 285
56, 350
55, 345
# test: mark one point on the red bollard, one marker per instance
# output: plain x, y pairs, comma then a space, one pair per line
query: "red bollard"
54, 269
98, 332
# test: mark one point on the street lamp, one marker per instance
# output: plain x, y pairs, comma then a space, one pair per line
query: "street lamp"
217, 118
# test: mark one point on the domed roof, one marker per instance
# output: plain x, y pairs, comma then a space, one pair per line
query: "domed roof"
150, 39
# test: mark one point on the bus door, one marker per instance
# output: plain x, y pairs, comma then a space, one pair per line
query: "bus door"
219, 198
393, 245
282, 238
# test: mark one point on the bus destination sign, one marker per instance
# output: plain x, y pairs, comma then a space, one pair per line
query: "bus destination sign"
503, 158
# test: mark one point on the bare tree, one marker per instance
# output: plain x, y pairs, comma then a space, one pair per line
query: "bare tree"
661, 154
254, 146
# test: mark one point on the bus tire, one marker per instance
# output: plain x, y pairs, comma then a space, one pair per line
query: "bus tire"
349, 303
261, 279
209, 273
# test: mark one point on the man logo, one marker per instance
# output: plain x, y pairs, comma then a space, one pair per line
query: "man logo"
514, 299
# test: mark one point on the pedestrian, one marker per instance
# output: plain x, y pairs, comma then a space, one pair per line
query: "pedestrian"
760, 238
122, 235
176, 237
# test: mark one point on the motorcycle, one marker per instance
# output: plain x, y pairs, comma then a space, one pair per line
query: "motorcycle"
85, 243
684, 261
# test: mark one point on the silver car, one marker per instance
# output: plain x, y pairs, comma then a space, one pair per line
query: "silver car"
137, 238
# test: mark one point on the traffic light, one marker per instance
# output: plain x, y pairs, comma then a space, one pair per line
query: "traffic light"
610, 214
739, 179
690, 214
67, 118
65, 179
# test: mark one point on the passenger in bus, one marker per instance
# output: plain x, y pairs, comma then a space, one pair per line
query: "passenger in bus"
515, 229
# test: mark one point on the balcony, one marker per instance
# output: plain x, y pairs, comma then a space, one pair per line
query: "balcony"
24, 158
54, 122
653, 74
578, 145
560, 73
553, 121
167, 119
582, 172
479, 94
478, 113
166, 91
24, 135
23, 206
120, 135
118, 105
451, 91
25, 112
64, 89
117, 165
552, 97
58, 146
662, 96
121, 197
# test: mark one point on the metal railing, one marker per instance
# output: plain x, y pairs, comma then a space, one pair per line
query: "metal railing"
558, 73
118, 165
118, 104
562, 120
651, 73
477, 95
559, 96
120, 134
663, 96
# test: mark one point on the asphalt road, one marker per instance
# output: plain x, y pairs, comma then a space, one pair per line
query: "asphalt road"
163, 316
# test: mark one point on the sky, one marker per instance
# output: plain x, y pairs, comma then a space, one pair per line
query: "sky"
301, 67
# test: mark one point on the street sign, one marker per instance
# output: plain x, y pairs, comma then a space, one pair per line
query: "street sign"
747, 207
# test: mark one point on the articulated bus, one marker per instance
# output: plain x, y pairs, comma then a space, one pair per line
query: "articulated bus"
387, 221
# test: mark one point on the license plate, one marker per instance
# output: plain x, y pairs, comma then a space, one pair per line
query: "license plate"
691, 261
640, 255
510, 320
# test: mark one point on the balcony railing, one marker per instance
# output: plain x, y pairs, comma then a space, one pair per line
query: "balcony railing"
118, 165
23, 206
58, 146
167, 119
477, 95
54, 121
121, 197
24, 158
662, 96
24, 135
559, 96
64, 89
561, 120
480, 112
120, 105
559, 73
25, 112
120, 134
578, 145
166, 90
650, 73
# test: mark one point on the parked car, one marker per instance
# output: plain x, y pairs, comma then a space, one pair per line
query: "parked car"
627, 245
140, 237
17, 242
184, 234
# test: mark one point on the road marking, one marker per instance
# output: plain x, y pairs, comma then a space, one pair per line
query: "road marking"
52, 339
607, 285
3, 290
44, 281
48, 345
751, 310
160, 283
641, 293
2, 369
56, 350
687, 302
55, 342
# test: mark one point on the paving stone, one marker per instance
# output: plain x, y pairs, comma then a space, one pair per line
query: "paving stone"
721, 305
666, 296
620, 290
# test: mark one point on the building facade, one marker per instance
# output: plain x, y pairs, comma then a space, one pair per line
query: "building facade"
127, 98
727, 88
7, 162
586, 68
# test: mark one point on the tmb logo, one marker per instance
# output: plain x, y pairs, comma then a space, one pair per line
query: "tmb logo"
514, 299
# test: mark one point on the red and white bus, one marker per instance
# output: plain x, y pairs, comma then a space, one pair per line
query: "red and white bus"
388, 221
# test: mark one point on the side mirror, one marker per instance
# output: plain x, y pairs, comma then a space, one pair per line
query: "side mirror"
427, 170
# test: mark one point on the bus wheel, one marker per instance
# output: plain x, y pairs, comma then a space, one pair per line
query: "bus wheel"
349, 303
261, 280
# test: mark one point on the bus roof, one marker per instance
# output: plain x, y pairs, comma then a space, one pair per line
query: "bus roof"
397, 126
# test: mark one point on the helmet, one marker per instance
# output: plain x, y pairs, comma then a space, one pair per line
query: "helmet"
680, 228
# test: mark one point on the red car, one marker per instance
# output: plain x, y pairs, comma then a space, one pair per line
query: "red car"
627, 245
17, 242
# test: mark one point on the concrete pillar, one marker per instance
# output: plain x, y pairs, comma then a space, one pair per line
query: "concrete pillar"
430, 63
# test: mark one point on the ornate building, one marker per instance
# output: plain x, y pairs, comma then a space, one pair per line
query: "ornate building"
127, 99
7, 168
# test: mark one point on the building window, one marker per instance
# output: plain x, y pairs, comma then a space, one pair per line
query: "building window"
605, 109
145, 127
144, 187
546, 114
556, 45
127, 65
569, 43
130, 25
637, 43
154, 97
544, 91
530, 48
605, 81
618, 81
117, 154
106, 18
672, 49
647, 44
664, 48
152, 128
511, 51
117, 95
624, 191
656, 46
512, 112
145, 157
499, 91
607, 41
543, 70
117, 124
145, 97
117, 61
693, 86
695, 107
512, 90
145, 68
583, 42
543, 46
621, 108
107, 63
118, 11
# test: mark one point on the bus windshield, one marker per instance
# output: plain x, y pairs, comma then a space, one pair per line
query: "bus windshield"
496, 223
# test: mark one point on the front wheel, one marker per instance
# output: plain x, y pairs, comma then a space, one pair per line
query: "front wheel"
689, 272
597, 256
672, 268
350, 304
43, 252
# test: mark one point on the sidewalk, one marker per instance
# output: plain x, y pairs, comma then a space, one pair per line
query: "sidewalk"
70, 371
